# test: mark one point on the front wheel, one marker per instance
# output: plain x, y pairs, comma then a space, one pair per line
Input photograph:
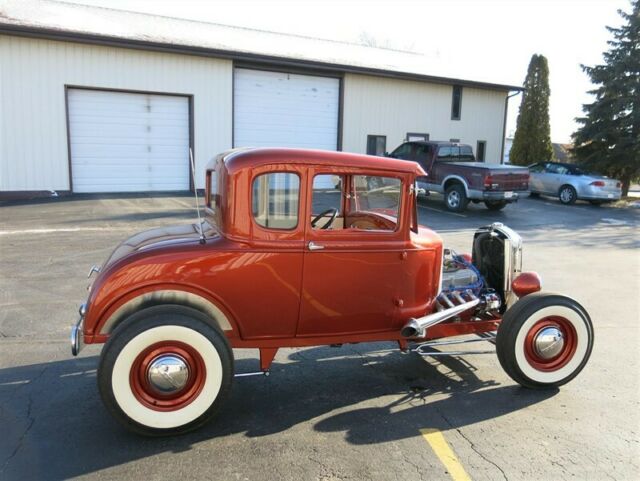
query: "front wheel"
495, 204
165, 370
544, 340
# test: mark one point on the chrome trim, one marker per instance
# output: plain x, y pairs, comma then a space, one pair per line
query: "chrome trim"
418, 327
93, 269
255, 373
549, 342
168, 373
77, 339
314, 247
82, 310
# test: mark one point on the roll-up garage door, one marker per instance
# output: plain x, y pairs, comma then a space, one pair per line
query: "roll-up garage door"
128, 142
285, 110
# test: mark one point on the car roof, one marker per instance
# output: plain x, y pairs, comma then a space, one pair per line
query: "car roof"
247, 158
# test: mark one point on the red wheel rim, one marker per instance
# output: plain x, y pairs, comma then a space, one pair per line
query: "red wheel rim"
149, 395
566, 353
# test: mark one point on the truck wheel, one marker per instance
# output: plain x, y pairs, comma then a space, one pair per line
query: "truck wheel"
567, 195
455, 198
495, 204
165, 370
544, 340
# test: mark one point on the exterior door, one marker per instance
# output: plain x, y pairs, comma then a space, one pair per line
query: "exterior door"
353, 275
128, 142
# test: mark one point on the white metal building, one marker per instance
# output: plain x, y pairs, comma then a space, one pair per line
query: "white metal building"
100, 100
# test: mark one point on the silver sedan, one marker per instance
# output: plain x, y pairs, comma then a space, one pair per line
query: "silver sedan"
569, 183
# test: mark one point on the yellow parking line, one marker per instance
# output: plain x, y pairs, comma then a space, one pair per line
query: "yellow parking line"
445, 454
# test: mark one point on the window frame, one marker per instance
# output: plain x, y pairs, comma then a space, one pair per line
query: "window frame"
423, 137
484, 150
456, 92
350, 234
374, 138
298, 205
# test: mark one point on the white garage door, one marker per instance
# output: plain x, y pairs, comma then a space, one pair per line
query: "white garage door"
285, 110
125, 142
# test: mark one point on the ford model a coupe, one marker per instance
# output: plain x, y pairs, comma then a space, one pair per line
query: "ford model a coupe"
302, 248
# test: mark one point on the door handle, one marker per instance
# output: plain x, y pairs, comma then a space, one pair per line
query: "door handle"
314, 247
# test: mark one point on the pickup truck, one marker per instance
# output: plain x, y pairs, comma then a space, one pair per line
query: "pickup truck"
452, 170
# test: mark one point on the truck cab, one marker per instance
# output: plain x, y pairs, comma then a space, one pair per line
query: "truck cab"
451, 169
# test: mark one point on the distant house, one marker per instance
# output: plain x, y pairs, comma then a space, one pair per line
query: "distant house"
561, 152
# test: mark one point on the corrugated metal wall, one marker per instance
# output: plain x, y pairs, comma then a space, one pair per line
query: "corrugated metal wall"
381, 106
33, 73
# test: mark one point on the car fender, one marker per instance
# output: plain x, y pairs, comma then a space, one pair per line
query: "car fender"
164, 294
458, 178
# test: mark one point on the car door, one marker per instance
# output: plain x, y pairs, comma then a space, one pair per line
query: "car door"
553, 178
353, 276
536, 177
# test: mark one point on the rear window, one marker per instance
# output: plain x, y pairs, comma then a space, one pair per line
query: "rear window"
275, 199
455, 153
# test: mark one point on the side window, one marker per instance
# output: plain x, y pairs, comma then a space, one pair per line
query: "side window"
275, 200
214, 195
456, 102
376, 144
416, 136
481, 150
375, 203
562, 170
422, 155
326, 208
536, 168
402, 152
551, 169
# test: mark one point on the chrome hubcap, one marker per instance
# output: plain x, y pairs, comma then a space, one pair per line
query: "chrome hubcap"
566, 195
454, 199
549, 342
168, 373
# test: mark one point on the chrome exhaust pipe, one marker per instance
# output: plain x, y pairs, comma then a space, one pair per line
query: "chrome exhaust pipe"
417, 327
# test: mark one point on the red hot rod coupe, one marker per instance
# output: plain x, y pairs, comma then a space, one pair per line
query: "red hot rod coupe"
303, 248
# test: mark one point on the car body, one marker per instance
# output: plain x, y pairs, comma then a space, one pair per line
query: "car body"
303, 248
451, 169
570, 183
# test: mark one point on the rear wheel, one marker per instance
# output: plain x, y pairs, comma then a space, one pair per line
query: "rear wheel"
165, 370
455, 198
544, 340
567, 195
495, 204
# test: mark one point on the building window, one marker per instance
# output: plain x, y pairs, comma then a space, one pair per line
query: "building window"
454, 140
416, 137
481, 150
456, 103
275, 200
376, 144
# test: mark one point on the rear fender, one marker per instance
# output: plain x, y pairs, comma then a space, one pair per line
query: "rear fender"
141, 299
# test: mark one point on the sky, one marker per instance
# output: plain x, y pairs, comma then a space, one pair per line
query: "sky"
488, 39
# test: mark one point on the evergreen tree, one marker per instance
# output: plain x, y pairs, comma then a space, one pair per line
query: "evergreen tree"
608, 140
532, 140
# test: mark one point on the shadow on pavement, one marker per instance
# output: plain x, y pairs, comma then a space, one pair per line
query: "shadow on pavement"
55, 427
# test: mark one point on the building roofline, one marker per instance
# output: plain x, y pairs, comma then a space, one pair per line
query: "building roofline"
255, 58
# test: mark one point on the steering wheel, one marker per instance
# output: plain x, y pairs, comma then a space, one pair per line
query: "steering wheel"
332, 211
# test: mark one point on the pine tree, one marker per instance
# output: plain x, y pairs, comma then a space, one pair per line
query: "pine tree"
532, 140
608, 140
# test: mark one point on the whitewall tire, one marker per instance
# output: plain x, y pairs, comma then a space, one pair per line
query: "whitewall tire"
165, 370
544, 340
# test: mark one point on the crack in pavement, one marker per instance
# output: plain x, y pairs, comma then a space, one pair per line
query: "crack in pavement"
472, 444
31, 421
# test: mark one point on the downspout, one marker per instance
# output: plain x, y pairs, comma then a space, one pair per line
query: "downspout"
504, 122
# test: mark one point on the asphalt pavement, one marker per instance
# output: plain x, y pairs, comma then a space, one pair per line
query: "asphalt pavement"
357, 412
